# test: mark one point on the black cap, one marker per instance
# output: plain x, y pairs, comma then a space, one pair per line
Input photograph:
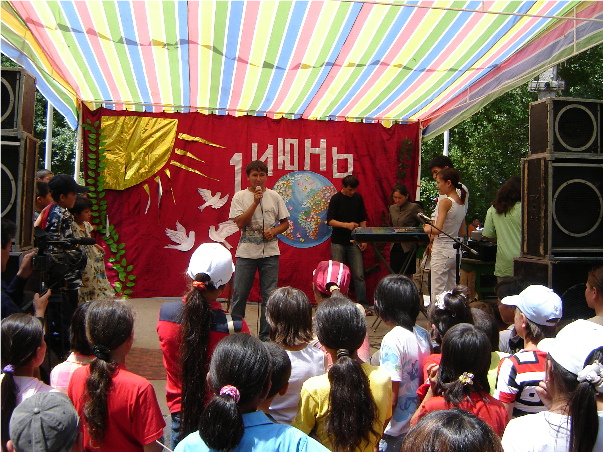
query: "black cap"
61, 184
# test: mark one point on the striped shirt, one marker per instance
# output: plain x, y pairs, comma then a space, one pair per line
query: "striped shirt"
61, 373
518, 378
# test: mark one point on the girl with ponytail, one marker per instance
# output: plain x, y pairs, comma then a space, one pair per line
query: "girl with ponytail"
461, 379
23, 349
349, 406
450, 213
188, 333
572, 391
239, 378
118, 409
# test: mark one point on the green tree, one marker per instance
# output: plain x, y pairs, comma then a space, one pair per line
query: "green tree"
487, 148
63, 137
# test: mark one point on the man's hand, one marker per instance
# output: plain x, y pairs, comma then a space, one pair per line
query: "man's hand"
258, 194
351, 226
268, 234
40, 302
26, 267
362, 246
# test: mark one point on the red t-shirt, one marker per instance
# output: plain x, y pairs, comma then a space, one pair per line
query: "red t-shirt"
134, 418
168, 329
482, 405
434, 358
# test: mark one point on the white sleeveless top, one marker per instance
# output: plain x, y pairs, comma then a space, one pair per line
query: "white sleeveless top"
453, 220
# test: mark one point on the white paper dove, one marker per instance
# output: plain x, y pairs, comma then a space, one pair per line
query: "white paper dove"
214, 201
224, 230
184, 242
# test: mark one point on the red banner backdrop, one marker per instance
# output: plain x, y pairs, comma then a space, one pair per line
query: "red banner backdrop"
155, 173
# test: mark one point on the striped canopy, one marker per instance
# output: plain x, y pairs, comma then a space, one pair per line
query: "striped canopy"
434, 62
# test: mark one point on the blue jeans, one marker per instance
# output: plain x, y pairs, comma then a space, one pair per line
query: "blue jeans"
352, 257
176, 435
243, 280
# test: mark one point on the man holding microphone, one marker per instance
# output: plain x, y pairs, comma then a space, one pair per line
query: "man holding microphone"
261, 215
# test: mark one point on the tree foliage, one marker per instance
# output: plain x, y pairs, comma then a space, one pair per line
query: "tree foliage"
487, 148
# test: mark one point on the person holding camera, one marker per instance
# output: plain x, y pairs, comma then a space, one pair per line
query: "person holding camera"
12, 294
58, 223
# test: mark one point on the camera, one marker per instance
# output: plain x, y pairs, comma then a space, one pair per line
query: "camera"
58, 257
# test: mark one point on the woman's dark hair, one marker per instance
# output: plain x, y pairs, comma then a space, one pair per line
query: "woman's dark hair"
195, 327
507, 196
22, 334
289, 314
452, 175
595, 279
453, 310
108, 325
81, 203
402, 190
582, 403
487, 323
465, 348
78, 340
453, 430
397, 300
341, 326
242, 361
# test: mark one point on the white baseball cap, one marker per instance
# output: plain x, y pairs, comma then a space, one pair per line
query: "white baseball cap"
574, 343
538, 303
214, 260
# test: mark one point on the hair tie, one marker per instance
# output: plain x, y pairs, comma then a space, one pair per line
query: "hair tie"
459, 185
342, 352
9, 369
232, 392
466, 378
593, 373
101, 352
199, 285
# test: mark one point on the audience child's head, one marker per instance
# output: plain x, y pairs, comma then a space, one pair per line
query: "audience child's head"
330, 278
43, 195
289, 314
44, 175
537, 311
506, 288
487, 323
453, 430
574, 378
341, 328
64, 190
23, 349
397, 301
239, 376
110, 331
465, 362
594, 290
78, 340
449, 309
46, 421
81, 210
281, 370
210, 268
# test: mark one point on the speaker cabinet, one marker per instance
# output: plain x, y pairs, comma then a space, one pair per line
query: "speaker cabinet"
566, 276
18, 100
565, 125
19, 160
562, 206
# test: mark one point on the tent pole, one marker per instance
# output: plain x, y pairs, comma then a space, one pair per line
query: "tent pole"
446, 141
78, 145
49, 124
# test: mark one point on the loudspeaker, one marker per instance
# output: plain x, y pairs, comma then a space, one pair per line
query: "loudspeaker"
565, 125
18, 100
567, 277
19, 161
562, 206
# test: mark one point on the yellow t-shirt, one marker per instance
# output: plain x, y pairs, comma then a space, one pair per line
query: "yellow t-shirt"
314, 405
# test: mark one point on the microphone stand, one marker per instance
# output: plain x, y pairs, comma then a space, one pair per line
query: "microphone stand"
457, 246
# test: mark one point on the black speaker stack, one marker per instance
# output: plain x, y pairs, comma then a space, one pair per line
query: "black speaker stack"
19, 152
562, 199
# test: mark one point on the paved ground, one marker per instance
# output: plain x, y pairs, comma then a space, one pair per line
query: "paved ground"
145, 358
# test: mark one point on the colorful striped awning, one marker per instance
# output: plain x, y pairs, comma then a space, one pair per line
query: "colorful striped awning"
435, 62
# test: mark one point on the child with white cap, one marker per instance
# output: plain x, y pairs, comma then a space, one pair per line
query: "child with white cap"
537, 312
573, 393
189, 330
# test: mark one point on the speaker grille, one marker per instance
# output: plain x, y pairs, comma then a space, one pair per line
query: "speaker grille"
577, 196
575, 127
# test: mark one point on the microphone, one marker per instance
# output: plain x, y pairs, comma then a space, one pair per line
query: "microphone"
423, 218
258, 188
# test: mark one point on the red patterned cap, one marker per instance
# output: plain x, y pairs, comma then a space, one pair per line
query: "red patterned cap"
331, 272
